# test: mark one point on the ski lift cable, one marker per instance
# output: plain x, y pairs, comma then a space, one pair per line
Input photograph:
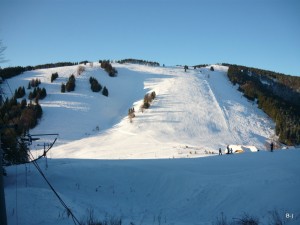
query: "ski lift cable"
75, 220
34, 162
45, 150
9, 87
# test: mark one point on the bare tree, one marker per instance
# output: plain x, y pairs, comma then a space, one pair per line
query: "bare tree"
2, 49
80, 70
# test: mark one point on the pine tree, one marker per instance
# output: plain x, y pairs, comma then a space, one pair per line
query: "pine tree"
23, 104
63, 88
54, 76
70, 86
23, 91
43, 93
105, 91
95, 86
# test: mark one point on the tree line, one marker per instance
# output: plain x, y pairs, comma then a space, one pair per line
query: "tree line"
276, 94
9, 72
201, 65
17, 117
105, 64
23, 116
138, 61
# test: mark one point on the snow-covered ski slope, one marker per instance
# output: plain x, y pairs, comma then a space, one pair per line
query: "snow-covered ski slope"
194, 112
162, 191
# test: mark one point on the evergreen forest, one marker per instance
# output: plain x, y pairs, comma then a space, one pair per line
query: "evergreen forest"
138, 61
278, 95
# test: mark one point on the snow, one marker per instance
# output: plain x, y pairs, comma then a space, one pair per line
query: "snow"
241, 148
165, 179
178, 191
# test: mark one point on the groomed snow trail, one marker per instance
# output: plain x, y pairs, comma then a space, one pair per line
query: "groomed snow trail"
194, 113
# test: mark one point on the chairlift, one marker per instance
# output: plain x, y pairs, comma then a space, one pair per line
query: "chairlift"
29, 138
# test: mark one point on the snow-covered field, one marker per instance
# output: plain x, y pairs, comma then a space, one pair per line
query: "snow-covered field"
176, 191
194, 114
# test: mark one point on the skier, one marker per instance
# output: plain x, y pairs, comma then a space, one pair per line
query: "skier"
220, 151
271, 146
228, 150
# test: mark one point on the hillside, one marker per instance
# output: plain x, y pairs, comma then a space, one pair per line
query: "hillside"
278, 95
194, 113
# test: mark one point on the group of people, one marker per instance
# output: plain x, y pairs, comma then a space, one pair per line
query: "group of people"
229, 150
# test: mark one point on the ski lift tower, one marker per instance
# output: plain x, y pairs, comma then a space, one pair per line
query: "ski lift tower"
3, 218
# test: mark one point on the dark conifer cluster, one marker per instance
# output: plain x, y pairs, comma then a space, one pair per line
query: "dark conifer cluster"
84, 62
9, 72
54, 76
52, 65
105, 64
70, 85
37, 94
95, 85
24, 116
14, 71
276, 95
139, 61
201, 65
34, 83
20, 92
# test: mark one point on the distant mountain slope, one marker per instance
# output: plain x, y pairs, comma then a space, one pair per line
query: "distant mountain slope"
276, 94
194, 113
191, 114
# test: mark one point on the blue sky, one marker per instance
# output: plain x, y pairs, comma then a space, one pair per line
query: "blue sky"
257, 33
